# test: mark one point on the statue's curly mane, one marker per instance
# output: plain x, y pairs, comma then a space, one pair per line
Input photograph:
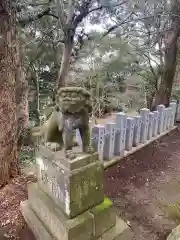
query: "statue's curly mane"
66, 94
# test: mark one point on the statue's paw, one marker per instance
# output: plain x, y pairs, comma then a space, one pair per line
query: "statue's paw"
75, 144
53, 146
70, 154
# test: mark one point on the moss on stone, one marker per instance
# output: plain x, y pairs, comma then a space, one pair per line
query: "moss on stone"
174, 211
107, 203
86, 187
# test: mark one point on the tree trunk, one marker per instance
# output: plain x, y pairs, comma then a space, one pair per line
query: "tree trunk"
164, 93
8, 122
171, 46
65, 64
21, 99
149, 100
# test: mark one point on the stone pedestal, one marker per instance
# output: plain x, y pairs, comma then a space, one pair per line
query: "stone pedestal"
68, 203
74, 186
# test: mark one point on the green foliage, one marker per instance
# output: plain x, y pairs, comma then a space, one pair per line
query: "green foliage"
42, 55
109, 62
102, 65
175, 93
149, 82
27, 155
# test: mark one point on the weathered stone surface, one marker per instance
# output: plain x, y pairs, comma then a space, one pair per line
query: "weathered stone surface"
120, 231
120, 135
155, 125
175, 234
78, 162
34, 223
173, 105
74, 191
109, 141
129, 133
98, 138
178, 111
169, 117
59, 158
137, 131
104, 217
150, 128
61, 227
166, 112
144, 113
160, 109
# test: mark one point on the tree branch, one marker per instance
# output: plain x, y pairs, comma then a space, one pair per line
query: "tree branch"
116, 26
111, 29
52, 15
83, 13
34, 17
61, 12
104, 6
95, 9
70, 11
37, 16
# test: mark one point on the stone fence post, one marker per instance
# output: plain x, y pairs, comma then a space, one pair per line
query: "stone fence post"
121, 123
144, 113
160, 109
109, 141
98, 138
129, 133
137, 130
155, 125
173, 105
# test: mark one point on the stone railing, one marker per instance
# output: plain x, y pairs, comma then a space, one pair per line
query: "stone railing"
126, 135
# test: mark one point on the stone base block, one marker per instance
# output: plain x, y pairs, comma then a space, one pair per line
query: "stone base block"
56, 222
37, 227
119, 232
104, 217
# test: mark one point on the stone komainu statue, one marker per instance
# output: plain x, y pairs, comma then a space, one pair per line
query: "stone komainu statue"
73, 105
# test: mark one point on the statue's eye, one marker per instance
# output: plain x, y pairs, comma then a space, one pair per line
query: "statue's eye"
57, 109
